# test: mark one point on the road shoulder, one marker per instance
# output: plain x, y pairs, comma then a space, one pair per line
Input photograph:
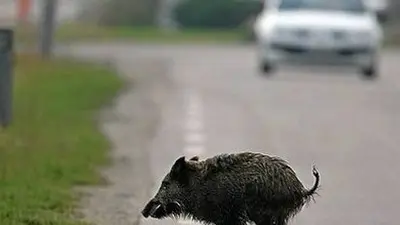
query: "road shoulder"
130, 124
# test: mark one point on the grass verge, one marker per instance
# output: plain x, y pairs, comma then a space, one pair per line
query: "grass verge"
81, 32
53, 143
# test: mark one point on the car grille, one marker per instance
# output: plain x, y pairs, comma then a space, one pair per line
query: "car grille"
298, 49
334, 36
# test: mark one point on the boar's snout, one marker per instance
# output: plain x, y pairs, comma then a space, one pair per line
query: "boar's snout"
151, 208
158, 210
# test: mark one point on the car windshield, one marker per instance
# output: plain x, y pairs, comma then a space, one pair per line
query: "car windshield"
356, 6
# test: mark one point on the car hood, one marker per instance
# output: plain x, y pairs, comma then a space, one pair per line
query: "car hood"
323, 19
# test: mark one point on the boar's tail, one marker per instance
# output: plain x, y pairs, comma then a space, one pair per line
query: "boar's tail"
313, 190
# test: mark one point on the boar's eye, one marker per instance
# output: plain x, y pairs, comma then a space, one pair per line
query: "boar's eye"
165, 185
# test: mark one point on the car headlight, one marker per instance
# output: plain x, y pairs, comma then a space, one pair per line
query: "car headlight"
291, 34
282, 33
362, 37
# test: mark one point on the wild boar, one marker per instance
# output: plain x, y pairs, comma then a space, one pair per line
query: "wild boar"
231, 189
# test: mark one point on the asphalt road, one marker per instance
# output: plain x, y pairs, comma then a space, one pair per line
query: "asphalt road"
347, 126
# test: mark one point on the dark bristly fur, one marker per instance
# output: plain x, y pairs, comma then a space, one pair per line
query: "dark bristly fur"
232, 189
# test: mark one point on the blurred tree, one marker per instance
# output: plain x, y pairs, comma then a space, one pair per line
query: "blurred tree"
215, 13
394, 11
122, 12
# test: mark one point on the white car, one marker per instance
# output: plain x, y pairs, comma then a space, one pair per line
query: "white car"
339, 32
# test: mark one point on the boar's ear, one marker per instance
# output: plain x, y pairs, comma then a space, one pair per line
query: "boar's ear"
194, 158
179, 166
182, 169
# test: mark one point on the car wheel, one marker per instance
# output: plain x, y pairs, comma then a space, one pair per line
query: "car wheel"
266, 68
370, 72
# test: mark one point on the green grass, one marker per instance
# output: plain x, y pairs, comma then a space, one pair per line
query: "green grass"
81, 32
53, 143
149, 34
